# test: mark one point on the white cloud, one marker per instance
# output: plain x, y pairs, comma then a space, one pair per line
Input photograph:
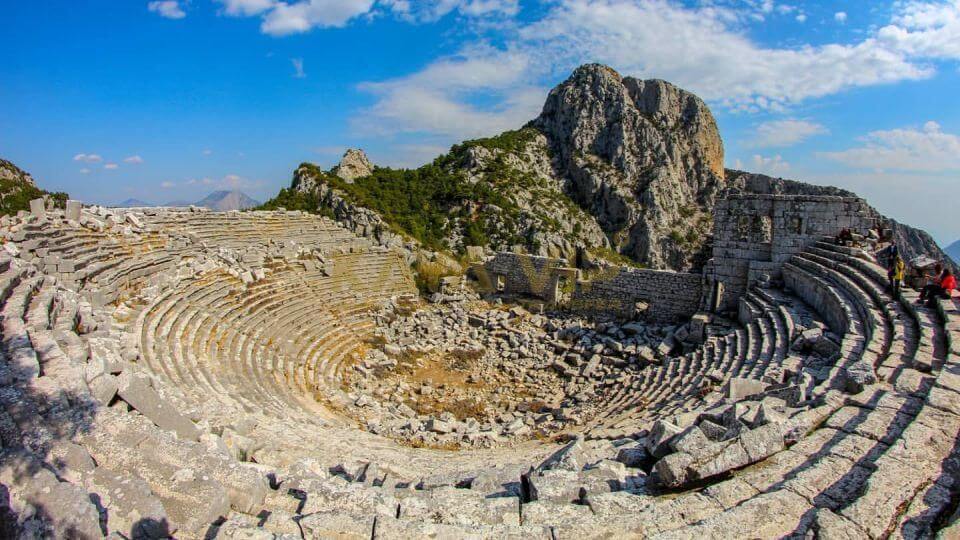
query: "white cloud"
801, 18
788, 132
285, 19
701, 49
84, 171
135, 160
246, 8
927, 149
207, 152
111, 166
169, 9
437, 99
168, 185
88, 158
840, 17
773, 166
431, 11
298, 72
930, 30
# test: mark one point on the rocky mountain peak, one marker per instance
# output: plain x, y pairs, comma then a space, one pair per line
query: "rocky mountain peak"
643, 156
354, 164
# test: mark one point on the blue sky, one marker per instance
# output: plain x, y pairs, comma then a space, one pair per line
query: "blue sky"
169, 99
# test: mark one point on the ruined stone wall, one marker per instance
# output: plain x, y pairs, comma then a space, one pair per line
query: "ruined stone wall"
755, 234
667, 296
663, 295
524, 274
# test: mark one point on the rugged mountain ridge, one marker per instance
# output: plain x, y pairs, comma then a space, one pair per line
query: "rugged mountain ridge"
644, 158
614, 167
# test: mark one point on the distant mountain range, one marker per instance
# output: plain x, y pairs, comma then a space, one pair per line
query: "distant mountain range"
953, 250
221, 201
133, 203
228, 200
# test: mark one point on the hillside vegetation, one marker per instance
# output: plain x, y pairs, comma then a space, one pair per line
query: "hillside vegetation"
17, 190
473, 195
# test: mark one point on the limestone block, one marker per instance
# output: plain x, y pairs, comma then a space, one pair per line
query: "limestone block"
555, 486
739, 388
66, 507
568, 458
73, 210
661, 434
135, 389
132, 509
38, 208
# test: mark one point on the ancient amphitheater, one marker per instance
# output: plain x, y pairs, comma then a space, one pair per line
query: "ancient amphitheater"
272, 375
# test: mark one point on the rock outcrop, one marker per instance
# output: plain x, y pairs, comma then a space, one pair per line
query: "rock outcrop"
354, 164
643, 157
9, 171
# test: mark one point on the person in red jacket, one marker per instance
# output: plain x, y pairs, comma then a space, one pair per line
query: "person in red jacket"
942, 287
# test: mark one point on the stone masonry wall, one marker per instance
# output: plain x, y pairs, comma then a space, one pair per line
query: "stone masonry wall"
755, 234
524, 274
667, 296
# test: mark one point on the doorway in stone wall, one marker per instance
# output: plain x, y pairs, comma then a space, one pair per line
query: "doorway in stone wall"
563, 292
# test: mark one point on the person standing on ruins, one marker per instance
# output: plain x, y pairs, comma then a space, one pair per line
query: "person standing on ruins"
895, 273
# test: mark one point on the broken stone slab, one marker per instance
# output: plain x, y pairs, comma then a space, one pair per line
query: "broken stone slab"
554, 486
132, 509
65, 506
633, 455
568, 458
136, 390
858, 376
680, 469
658, 441
739, 388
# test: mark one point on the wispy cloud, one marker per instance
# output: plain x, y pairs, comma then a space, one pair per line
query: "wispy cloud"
133, 160
700, 48
783, 133
111, 166
88, 158
168, 185
927, 149
170, 9
771, 165
840, 17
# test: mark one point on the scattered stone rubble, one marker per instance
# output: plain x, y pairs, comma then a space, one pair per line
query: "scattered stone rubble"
269, 375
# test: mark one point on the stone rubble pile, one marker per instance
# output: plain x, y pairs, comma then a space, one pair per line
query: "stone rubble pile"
523, 374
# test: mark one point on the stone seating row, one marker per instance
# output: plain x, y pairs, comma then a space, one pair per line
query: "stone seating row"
269, 345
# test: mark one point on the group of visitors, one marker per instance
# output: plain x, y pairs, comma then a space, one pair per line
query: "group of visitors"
942, 281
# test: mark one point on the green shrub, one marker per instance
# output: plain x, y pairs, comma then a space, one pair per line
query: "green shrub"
16, 196
427, 275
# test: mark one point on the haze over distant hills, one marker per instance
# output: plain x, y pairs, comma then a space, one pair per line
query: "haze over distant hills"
953, 250
228, 200
218, 200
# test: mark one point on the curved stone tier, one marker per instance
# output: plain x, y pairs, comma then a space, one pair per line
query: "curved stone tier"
184, 373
